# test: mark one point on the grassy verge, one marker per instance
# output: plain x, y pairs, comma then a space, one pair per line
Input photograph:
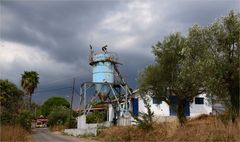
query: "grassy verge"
59, 128
13, 133
133, 133
208, 129
199, 129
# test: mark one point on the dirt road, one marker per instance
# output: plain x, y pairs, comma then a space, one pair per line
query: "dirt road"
44, 135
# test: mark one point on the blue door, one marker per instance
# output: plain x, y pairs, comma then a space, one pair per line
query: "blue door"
186, 107
135, 106
174, 101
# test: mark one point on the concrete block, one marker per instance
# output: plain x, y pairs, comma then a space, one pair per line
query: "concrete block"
81, 122
81, 132
125, 120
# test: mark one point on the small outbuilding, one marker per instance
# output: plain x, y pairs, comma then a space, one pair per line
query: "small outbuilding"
201, 105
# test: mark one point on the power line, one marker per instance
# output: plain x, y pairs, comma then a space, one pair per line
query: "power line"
52, 86
51, 90
73, 91
55, 81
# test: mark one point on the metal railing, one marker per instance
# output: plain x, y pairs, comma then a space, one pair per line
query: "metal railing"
112, 57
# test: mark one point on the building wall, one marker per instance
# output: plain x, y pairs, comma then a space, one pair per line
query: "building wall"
162, 109
198, 109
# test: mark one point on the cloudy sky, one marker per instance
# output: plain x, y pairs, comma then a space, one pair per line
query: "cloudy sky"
52, 37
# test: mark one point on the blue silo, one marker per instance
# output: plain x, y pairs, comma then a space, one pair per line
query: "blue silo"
103, 71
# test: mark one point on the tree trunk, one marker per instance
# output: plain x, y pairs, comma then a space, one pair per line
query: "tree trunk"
180, 112
234, 98
30, 101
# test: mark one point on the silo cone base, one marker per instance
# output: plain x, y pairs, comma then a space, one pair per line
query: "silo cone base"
125, 120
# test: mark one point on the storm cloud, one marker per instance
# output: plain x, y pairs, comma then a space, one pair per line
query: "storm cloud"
53, 37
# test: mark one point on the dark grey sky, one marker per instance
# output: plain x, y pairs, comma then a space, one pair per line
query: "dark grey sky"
53, 37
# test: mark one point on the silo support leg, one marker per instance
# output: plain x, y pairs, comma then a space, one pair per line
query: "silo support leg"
114, 94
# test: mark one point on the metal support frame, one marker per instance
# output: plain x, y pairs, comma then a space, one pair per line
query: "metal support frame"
114, 94
87, 106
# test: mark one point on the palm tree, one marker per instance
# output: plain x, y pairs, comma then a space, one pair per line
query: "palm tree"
29, 83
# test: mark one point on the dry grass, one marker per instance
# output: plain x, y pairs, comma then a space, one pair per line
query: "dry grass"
59, 128
13, 133
133, 133
208, 129
200, 129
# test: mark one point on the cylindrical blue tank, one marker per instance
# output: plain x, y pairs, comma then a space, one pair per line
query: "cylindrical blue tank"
103, 72
103, 68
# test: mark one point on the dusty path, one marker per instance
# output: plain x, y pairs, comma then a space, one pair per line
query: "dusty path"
44, 135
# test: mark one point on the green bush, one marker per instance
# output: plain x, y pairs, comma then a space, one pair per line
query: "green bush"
58, 116
71, 122
145, 120
53, 102
24, 119
11, 102
96, 117
7, 118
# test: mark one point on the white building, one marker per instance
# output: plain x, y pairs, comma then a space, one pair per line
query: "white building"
200, 105
162, 111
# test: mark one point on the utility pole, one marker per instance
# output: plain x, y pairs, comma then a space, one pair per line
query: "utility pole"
73, 87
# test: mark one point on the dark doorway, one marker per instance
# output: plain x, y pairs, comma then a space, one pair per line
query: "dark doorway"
135, 106
174, 100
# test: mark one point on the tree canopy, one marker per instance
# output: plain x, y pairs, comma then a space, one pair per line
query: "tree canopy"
173, 74
10, 97
223, 54
29, 82
53, 102
206, 60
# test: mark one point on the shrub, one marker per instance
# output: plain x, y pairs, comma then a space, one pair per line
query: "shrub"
11, 102
96, 117
203, 128
145, 120
24, 119
58, 116
53, 102
71, 122
7, 118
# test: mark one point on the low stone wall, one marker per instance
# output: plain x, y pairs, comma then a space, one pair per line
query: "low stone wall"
90, 129
124, 121
80, 132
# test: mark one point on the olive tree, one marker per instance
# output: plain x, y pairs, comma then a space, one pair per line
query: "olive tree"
174, 73
223, 39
